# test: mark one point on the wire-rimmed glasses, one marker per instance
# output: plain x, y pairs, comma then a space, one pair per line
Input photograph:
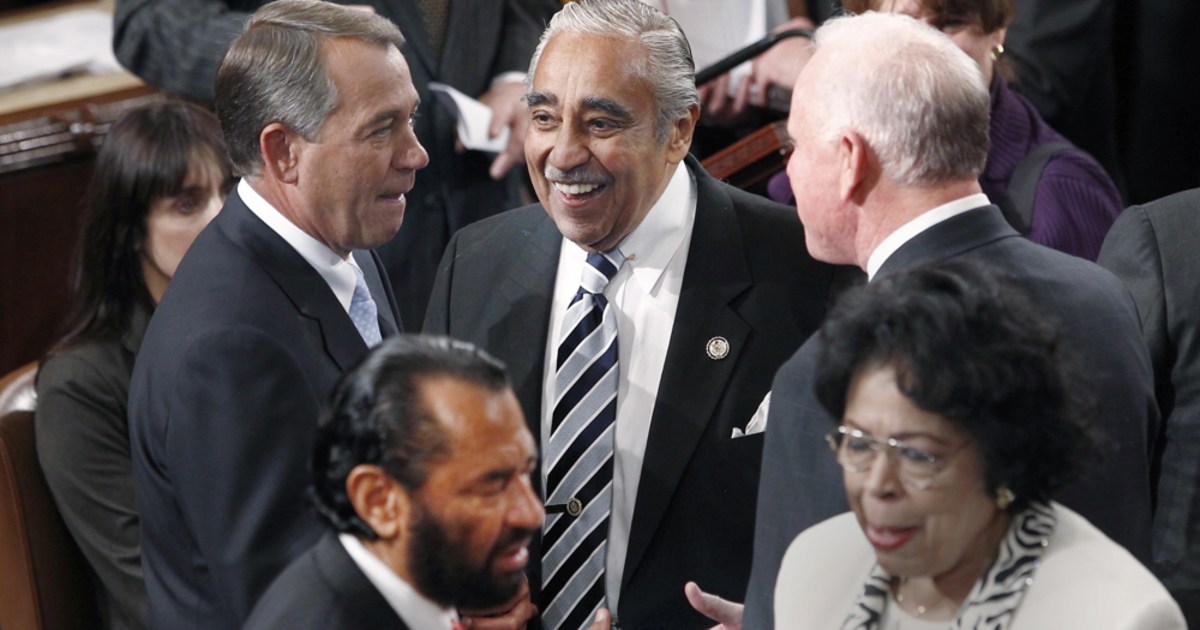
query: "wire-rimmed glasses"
856, 451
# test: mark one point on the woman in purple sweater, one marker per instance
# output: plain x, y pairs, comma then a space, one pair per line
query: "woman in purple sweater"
1074, 201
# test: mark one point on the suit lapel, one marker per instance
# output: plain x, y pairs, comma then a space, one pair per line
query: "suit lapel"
417, 48
474, 25
692, 382
523, 313
306, 289
356, 594
952, 237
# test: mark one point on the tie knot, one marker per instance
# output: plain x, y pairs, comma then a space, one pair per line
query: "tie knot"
601, 268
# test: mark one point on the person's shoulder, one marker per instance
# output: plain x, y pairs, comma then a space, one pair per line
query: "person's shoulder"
821, 574
1086, 577
323, 588
507, 225
1175, 216
298, 598
86, 370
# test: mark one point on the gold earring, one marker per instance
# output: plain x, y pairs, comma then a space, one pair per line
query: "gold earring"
1004, 497
997, 51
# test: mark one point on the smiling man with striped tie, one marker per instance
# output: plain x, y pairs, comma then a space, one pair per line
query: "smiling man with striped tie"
642, 308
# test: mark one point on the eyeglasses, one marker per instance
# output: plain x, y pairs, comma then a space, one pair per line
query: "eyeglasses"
856, 451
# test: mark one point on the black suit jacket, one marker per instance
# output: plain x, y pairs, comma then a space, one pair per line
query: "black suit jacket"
1152, 248
801, 482
177, 45
236, 365
749, 279
323, 590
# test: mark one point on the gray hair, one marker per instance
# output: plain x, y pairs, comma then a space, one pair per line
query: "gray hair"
275, 72
917, 99
667, 66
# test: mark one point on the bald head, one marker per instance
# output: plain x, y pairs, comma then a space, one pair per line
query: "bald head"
917, 100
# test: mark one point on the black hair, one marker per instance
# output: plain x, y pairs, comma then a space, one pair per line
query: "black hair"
966, 343
378, 417
146, 156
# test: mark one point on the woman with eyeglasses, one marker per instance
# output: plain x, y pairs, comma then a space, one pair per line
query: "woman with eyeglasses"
958, 423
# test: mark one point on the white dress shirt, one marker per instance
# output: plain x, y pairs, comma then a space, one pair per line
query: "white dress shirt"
414, 609
645, 292
922, 222
334, 269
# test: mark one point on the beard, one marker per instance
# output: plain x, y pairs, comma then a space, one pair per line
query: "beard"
442, 571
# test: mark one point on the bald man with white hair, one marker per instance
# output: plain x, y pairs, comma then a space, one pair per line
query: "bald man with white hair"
890, 123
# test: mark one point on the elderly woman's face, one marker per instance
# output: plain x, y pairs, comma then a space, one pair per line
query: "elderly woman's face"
951, 526
967, 34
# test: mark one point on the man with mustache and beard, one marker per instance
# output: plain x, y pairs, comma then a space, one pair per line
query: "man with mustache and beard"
641, 308
422, 467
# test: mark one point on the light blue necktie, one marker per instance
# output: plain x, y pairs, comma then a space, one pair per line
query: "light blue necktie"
579, 457
363, 312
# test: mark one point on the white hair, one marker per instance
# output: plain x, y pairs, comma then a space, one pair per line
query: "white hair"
667, 66
913, 95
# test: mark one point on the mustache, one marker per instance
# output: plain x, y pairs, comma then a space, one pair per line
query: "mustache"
512, 537
577, 175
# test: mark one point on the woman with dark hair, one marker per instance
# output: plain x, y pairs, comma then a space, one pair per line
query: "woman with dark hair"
1050, 190
958, 422
160, 177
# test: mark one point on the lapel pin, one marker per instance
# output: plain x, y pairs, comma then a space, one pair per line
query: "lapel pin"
717, 348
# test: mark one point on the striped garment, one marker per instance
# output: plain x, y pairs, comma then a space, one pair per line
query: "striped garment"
993, 602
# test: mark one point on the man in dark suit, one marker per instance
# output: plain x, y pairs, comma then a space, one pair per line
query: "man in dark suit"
889, 191
1152, 248
275, 300
711, 291
422, 467
475, 46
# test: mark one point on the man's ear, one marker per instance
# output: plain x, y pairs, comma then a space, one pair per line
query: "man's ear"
378, 499
854, 162
281, 148
679, 140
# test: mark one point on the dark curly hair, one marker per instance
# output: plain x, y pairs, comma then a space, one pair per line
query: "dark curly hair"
377, 417
966, 343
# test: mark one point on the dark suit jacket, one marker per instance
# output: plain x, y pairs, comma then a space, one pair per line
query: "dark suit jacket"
801, 482
1152, 248
323, 590
236, 365
177, 45
83, 447
749, 279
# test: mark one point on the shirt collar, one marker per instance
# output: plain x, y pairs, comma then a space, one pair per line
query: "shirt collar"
334, 269
414, 608
655, 241
922, 222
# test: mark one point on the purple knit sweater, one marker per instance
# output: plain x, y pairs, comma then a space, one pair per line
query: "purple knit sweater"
1076, 201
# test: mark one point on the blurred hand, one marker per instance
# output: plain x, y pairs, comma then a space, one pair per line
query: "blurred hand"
727, 614
780, 65
512, 615
508, 110
603, 620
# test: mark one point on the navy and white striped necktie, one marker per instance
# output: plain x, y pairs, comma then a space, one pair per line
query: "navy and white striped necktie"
579, 457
